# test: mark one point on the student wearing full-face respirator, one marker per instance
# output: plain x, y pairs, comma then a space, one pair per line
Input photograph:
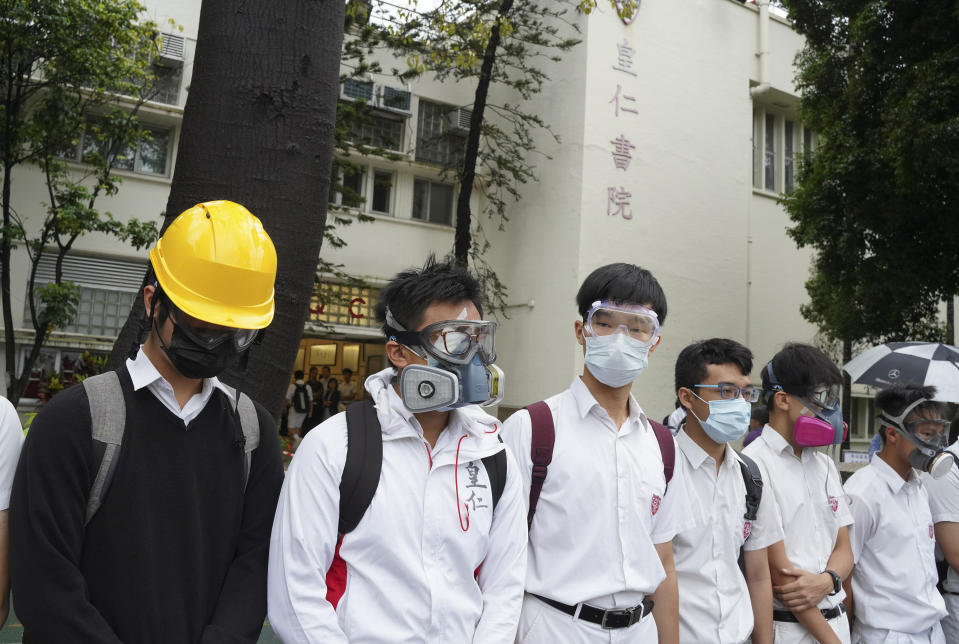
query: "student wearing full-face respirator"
892, 591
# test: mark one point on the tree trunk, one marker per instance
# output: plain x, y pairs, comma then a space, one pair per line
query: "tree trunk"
847, 392
258, 130
951, 320
463, 239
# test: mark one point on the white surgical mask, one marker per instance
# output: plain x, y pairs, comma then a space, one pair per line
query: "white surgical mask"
615, 360
728, 420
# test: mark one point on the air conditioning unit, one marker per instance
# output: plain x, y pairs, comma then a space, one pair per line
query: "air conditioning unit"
171, 50
354, 89
458, 120
392, 99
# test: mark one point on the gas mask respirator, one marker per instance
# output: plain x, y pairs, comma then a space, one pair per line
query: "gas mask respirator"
930, 454
459, 369
826, 426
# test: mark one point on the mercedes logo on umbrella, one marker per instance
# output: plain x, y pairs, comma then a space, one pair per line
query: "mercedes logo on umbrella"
893, 374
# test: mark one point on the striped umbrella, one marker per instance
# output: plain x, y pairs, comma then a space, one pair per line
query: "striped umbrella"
925, 363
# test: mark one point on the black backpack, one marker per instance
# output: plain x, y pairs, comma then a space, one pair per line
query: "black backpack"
301, 401
754, 494
364, 460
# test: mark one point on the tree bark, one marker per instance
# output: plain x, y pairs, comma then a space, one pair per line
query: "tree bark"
951, 320
463, 238
847, 392
258, 130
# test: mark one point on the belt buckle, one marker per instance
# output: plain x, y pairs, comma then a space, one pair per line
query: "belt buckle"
629, 612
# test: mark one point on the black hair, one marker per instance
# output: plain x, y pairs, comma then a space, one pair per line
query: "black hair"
624, 283
347, 370
798, 368
411, 292
894, 399
312, 369
691, 365
332, 381
760, 413
298, 374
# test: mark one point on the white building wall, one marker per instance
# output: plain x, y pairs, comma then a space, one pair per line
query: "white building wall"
718, 246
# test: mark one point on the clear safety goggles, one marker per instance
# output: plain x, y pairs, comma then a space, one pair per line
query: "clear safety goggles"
931, 432
210, 336
452, 341
824, 397
638, 322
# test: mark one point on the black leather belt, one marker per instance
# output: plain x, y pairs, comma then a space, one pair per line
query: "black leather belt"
607, 618
828, 613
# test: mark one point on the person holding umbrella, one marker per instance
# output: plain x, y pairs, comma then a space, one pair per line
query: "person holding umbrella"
891, 592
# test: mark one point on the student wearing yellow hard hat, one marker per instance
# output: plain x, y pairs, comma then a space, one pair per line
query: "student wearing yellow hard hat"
142, 505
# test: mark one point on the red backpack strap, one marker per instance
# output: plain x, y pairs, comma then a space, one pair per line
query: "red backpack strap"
666, 447
541, 451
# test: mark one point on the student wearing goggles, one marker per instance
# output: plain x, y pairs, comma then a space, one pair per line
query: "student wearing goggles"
801, 386
452, 341
619, 337
893, 584
602, 448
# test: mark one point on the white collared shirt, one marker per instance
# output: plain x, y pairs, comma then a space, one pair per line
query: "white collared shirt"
144, 374
893, 545
604, 505
715, 606
809, 499
11, 440
944, 504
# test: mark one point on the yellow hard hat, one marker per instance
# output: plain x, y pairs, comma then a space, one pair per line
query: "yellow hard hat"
216, 263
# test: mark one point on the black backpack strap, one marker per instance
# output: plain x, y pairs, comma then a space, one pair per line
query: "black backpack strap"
542, 440
754, 485
666, 447
495, 465
364, 461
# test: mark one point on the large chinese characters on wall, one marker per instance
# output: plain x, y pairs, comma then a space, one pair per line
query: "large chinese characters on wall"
624, 110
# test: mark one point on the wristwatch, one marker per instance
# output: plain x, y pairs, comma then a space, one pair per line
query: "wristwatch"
836, 581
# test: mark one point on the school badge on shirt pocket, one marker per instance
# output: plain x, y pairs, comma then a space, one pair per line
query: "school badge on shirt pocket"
654, 505
834, 504
747, 529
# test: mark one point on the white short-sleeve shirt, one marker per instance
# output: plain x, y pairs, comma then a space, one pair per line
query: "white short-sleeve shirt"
11, 439
715, 606
893, 545
944, 504
809, 499
604, 505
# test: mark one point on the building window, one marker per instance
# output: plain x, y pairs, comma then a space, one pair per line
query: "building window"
382, 192
348, 185
57, 369
862, 421
378, 132
167, 84
789, 157
769, 160
433, 202
436, 140
346, 304
777, 144
151, 156
108, 288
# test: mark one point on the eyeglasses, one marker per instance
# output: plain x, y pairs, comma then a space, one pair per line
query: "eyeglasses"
729, 391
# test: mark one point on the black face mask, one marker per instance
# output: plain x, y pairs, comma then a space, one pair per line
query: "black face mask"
195, 361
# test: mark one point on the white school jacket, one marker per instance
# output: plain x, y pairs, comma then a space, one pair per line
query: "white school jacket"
429, 561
